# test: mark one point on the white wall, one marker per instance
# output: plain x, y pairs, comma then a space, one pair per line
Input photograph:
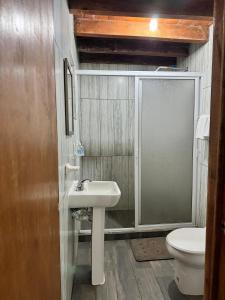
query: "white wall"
200, 60
64, 46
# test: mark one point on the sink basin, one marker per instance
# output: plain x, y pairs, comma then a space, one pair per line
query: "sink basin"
95, 194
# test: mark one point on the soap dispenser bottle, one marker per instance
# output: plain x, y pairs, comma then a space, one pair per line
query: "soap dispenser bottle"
79, 151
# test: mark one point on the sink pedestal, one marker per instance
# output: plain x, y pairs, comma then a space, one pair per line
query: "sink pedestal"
98, 225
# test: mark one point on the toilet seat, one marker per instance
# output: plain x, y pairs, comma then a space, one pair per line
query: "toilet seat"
189, 240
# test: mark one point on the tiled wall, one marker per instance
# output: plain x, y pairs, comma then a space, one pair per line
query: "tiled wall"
107, 128
200, 60
64, 46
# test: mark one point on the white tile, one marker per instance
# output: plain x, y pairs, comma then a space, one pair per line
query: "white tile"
103, 85
202, 204
131, 88
120, 175
91, 168
120, 121
117, 87
90, 126
89, 87
106, 127
106, 168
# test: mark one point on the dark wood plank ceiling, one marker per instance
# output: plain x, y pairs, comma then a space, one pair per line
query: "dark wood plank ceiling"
108, 32
131, 47
126, 59
145, 8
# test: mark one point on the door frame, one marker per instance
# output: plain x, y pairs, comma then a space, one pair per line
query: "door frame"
197, 77
215, 238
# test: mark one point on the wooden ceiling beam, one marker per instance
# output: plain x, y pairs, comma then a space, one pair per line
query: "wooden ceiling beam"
174, 30
131, 47
145, 8
126, 59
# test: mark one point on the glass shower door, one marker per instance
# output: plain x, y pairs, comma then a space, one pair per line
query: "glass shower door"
166, 129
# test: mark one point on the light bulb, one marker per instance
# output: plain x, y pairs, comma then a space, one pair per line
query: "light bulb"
153, 24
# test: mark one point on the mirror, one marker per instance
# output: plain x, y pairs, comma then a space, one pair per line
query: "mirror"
68, 90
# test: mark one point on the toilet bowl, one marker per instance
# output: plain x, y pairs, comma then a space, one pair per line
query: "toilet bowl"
187, 246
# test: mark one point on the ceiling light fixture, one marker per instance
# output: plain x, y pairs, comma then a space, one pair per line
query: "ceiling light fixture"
153, 24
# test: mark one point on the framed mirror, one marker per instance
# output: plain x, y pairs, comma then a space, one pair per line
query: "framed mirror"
68, 90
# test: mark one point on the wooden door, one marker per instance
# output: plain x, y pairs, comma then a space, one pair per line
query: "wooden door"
215, 244
29, 221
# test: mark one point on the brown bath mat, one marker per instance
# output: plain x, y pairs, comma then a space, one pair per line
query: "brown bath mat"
150, 249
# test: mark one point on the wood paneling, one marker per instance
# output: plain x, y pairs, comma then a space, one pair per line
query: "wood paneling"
174, 30
126, 59
145, 7
215, 241
131, 47
29, 217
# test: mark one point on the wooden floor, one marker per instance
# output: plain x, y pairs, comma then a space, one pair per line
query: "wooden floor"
126, 279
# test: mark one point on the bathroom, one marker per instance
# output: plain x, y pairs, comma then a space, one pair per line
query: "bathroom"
112, 167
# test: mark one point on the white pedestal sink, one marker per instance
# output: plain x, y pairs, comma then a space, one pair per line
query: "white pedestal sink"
98, 195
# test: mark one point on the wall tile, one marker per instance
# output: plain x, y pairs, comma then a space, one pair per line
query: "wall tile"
106, 127
122, 67
117, 87
89, 66
120, 120
103, 83
89, 87
201, 207
120, 175
106, 168
90, 126
131, 88
104, 66
200, 60
97, 168
91, 168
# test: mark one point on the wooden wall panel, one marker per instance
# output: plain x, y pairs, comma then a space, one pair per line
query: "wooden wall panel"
29, 220
145, 7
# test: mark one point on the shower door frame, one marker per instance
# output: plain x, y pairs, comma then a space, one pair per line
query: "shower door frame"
138, 103
139, 75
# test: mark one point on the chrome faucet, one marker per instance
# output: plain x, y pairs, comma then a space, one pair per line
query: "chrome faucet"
80, 185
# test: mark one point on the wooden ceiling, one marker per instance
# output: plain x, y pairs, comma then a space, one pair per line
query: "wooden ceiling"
114, 32
145, 8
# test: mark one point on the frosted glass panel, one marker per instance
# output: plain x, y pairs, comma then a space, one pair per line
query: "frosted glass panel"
166, 140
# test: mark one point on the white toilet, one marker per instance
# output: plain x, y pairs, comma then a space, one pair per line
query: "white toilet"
187, 246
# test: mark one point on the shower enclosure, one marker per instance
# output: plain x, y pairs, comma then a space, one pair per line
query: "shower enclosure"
138, 129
